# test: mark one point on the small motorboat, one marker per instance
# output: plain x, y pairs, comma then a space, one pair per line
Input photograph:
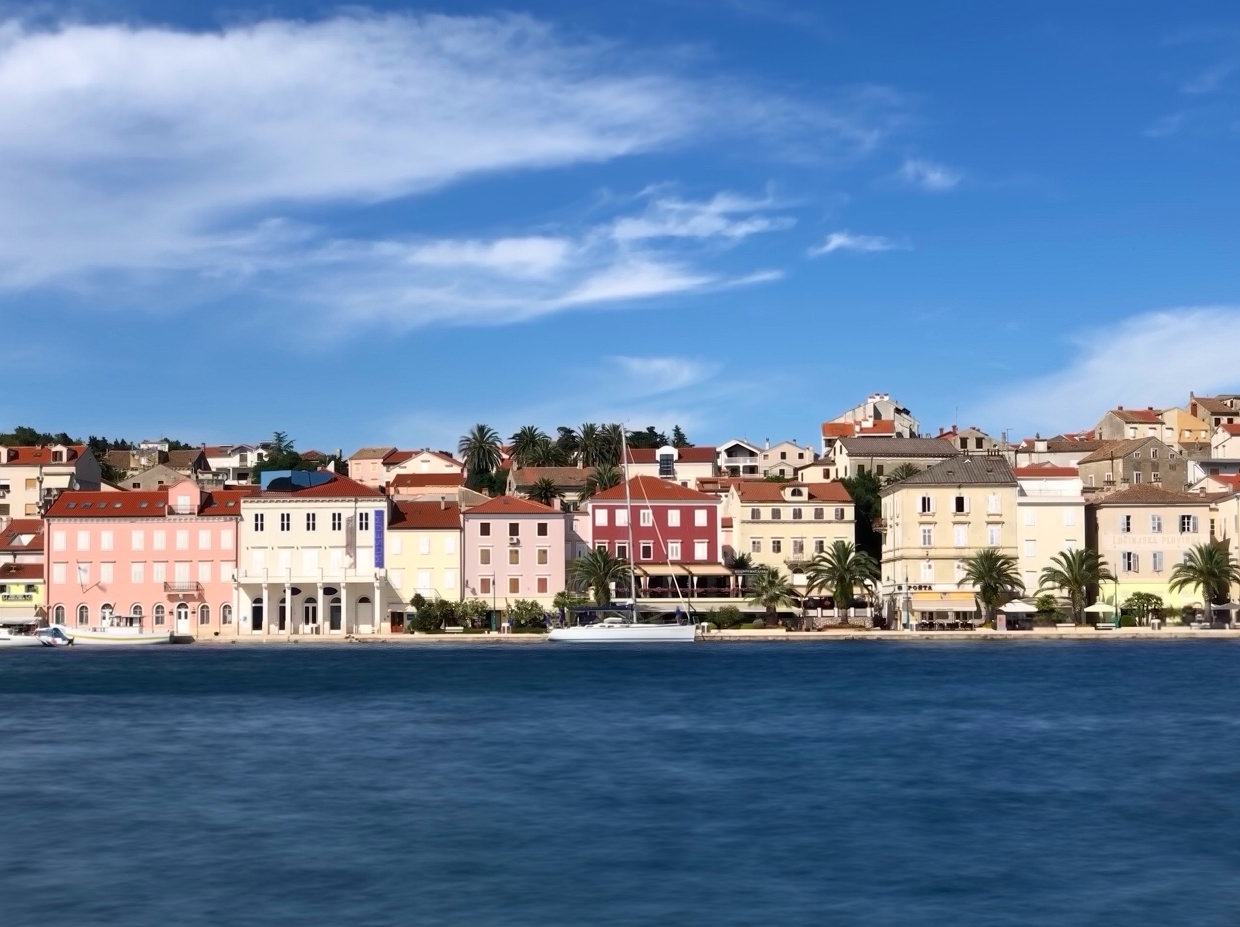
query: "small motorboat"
55, 636
19, 633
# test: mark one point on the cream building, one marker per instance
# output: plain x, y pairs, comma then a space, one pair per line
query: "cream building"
1050, 511
424, 550
784, 525
1142, 532
313, 558
783, 459
31, 477
932, 522
378, 466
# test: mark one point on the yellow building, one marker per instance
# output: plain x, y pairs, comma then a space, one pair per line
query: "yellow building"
784, 525
1050, 511
23, 593
932, 522
424, 550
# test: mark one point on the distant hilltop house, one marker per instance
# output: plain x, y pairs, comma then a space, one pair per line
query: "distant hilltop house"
191, 463
378, 466
880, 456
32, 477
879, 415
744, 459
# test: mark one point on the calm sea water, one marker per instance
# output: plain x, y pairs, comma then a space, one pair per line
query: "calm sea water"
842, 784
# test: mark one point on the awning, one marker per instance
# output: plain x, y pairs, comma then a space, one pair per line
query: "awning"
661, 569
945, 606
1101, 608
1017, 608
707, 569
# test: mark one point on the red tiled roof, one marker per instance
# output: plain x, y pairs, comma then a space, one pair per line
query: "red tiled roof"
338, 487
727, 522
225, 501
652, 489
1214, 406
1148, 415
425, 516
721, 483
22, 571
33, 456
413, 480
1231, 429
1045, 469
22, 527
699, 454
769, 491
142, 504
882, 426
512, 505
1149, 494
394, 457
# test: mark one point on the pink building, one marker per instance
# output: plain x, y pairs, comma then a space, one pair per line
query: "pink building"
514, 549
168, 556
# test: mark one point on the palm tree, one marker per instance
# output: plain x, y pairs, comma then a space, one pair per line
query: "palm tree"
597, 570
902, 473
994, 577
1075, 572
546, 453
591, 446
604, 476
545, 491
613, 442
771, 589
568, 441
740, 562
841, 569
480, 449
1209, 568
524, 441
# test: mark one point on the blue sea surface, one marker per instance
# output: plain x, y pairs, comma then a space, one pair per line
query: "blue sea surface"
902, 785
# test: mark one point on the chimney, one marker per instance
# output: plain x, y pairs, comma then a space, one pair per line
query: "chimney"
1119, 408
443, 503
768, 444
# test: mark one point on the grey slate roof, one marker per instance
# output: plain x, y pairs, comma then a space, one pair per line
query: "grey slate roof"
974, 470
869, 446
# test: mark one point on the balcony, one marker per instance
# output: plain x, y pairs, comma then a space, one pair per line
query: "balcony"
182, 587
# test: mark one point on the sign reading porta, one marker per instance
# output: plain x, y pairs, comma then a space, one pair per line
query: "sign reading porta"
380, 515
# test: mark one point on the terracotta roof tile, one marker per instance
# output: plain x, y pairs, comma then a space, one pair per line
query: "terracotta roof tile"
653, 489
142, 503
770, 491
27, 572
1046, 470
1214, 406
512, 505
371, 453
697, 454
425, 516
866, 446
338, 487
26, 456
31, 528
1114, 450
1148, 416
563, 477
417, 480
1149, 494
1231, 429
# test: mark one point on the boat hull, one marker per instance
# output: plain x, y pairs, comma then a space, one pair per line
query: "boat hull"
19, 640
116, 637
624, 633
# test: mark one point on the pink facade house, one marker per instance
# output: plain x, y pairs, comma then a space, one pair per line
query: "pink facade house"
168, 556
514, 549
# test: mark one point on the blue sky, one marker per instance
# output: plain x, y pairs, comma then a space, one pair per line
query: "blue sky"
381, 224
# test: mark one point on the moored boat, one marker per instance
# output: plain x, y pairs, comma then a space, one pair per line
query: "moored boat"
124, 630
617, 630
21, 632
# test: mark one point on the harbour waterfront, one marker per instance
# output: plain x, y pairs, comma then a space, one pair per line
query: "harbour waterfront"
1032, 783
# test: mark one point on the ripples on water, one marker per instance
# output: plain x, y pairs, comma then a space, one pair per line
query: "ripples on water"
842, 784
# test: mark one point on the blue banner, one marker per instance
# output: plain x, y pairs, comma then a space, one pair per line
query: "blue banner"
380, 515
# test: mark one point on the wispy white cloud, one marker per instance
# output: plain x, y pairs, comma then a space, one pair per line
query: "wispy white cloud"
1165, 126
650, 376
1211, 79
929, 175
517, 257
1150, 359
725, 216
847, 241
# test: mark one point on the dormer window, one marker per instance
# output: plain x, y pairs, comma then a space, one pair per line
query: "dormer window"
667, 465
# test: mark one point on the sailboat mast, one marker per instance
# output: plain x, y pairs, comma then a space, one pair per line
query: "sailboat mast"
628, 516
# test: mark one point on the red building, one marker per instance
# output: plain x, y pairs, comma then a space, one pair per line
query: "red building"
675, 536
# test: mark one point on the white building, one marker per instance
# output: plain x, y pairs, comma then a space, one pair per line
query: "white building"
1050, 517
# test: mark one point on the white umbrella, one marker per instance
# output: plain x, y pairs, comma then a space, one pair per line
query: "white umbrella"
1018, 608
1101, 608
1228, 607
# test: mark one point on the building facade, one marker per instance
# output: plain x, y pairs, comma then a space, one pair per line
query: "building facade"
425, 553
1050, 511
514, 549
1118, 464
31, 477
23, 592
785, 525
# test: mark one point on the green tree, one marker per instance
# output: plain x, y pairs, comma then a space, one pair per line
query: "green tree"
771, 589
547, 453
1210, 569
740, 561
1076, 572
280, 455
566, 599
1047, 606
526, 614
902, 473
568, 441
648, 438
481, 452
1143, 606
596, 570
545, 491
678, 437
525, 444
864, 489
994, 578
473, 612
842, 569
613, 441
605, 476
592, 446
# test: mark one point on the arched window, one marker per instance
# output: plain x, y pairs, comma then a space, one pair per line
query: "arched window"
204, 613
135, 610
83, 615
159, 614
58, 615
281, 614
256, 615
182, 612
105, 612
333, 614
310, 612
225, 614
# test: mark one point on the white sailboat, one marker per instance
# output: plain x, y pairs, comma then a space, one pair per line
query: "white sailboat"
626, 628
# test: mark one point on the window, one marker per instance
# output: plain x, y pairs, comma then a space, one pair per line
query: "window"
181, 539
1136, 477
105, 540
514, 529
646, 550
1130, 561
1188, 524
58, 573
777, 545
1031, 518
960, 535
927, 537
83, 574
622, 518
311, 521
1156, 524
363, 521
992, 503
514, 585
798, 547
258, 521
58, 615
820, 545
286, 521
645, 518
960, 505
83, 540
1069, 518
839, 514
544, 556
878, 471
484, 529
927, 505
699, 518
755, 514
204, 614
796, 514
484, 585
204, 538
673, 518
58, 540
204, 571
673, 550
83, 614
159, 614
600, 516
484, 556
424, 545
1156, 561
542, 529
107, 572
820, 514
666, 465
542, 585
1030, 548
755, 546
1153, 453
776, 514
992, 536
927, 571
514, 556
622, 551
159, 570
137, 572
783, 455
225, 614
337, 521
1125, 524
